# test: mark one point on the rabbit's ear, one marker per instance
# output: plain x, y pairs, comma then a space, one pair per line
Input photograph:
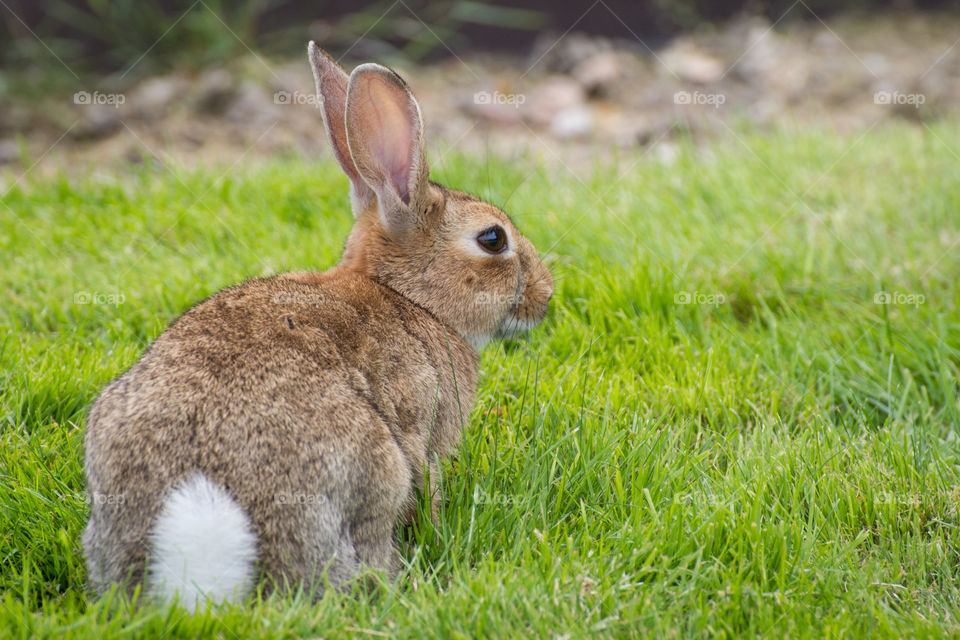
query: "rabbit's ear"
332, 92
385, 134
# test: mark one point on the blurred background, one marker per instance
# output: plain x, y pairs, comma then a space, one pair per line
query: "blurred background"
93, 82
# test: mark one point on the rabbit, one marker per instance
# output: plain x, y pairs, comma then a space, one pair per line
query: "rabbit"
279, 432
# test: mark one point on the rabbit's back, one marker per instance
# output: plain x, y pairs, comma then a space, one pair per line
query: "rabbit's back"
307, 398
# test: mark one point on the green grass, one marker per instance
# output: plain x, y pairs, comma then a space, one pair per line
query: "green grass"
778, 458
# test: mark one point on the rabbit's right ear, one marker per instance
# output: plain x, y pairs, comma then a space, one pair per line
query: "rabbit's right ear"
332, 83
385, 134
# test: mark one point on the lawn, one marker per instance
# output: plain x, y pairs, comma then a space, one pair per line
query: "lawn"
740, 417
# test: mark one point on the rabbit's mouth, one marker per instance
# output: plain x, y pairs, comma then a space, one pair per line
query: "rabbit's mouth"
514, 325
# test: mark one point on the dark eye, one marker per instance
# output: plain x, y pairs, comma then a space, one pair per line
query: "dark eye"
493, 240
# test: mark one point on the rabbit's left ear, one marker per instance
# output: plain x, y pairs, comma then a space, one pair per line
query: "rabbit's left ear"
385, 136
332, 82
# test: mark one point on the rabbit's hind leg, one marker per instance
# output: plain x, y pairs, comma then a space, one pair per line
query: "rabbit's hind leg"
380, 502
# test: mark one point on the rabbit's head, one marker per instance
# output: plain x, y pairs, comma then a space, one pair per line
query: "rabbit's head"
460, 258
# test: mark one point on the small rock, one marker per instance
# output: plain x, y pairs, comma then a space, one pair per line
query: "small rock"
765, 109
9, 152
133, 155
684, 60
572, 122
562, 53
627, 128
16, 116
154, 96
556, 94
98, 121
826, 41
215, 91
770, 65
760, 57
877, 63
194, 134
600, 72
252, 105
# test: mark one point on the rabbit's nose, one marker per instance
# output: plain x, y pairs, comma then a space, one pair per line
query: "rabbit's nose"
548, 280
544, 287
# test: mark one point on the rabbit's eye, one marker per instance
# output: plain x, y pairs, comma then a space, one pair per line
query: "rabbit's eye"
493, 240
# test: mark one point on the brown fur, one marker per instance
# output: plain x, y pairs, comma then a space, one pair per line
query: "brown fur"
316, 400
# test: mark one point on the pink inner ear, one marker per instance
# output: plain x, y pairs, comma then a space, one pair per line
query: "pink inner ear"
391, 133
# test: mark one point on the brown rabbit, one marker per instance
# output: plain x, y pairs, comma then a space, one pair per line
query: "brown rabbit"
282, 428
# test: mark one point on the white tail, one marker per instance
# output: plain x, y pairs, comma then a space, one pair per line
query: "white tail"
204, 547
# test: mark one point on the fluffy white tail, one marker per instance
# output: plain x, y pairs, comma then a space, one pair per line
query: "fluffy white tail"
204, 547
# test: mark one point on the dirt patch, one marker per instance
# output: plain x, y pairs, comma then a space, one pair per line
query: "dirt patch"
575, 97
